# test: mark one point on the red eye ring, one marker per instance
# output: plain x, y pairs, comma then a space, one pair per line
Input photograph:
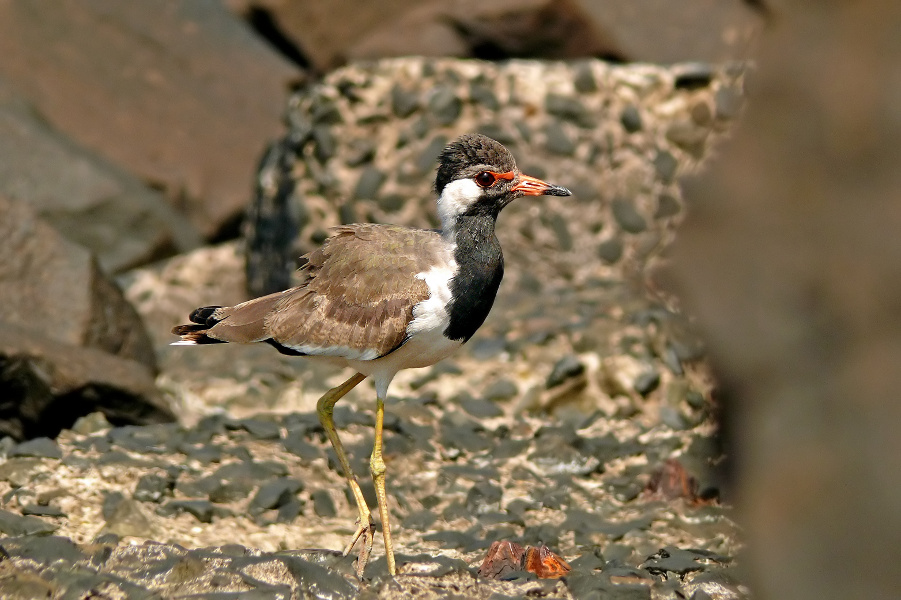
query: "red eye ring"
485, 179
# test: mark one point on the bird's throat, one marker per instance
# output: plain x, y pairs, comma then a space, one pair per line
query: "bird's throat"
480, 268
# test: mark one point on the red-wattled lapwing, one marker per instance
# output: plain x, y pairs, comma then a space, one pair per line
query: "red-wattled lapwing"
381, 298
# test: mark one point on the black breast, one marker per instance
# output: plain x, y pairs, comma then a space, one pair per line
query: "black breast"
480, 265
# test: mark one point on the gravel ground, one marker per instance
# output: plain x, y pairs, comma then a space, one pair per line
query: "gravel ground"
580, 417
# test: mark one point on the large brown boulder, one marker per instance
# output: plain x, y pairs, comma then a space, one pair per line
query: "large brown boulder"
90, 201
791, 259
46, 385
70, 344
636, 30
54, 287
181, 94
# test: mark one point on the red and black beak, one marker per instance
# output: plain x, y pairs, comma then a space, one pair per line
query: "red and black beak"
531, 186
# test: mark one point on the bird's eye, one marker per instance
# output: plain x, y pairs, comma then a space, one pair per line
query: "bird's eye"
485, 179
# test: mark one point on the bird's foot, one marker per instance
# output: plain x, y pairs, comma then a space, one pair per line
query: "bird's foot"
365, 530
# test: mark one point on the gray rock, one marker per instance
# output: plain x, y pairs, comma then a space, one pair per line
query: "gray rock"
569, 109
371, 179
565, 368
40, 447
667, 206
630, 118
203, 157
627, 216
88, 200
323, 505
445, 105
153, 488
558, 141
68, 298
610, 251
50, 384
692, 75
584, 80
403, 103
728, 101
665, 164
275, 493
484, 95
13, 524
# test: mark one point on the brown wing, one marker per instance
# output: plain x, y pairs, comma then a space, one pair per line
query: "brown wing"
356, 300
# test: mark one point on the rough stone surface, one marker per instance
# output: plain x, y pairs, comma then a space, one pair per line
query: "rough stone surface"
53, 287
790, 261
182, 94
636, 30
47, 385
90, 201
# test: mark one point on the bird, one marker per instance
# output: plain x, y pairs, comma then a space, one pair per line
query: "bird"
380, 298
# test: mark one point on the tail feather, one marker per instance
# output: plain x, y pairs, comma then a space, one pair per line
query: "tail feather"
196, 333
204, 315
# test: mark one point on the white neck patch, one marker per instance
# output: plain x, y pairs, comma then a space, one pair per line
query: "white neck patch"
455, 199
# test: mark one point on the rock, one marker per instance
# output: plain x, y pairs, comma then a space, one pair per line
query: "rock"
558, 140
136, 84
153, 488
40, 447
48, 385
128, 518
833, 459
323, 505
88, 200
68, 298
627, 216
503, 28
565, 368
403, 102
275, 493
630, 118
13, 524
444, 105
610, 251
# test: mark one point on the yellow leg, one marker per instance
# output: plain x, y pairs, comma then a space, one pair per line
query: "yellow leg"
377, 467
365, 526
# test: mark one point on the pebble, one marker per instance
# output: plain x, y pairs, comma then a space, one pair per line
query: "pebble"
403, 102
229, 491
569, 109
630, 118
484, 95
484, 498
13, 524
665, 164
728, 101
558, 141
667, 206
692, 75
40, 447
500, 390
444, 105
275, 493
369, 183
41, 510
429, 156
126, 518
323, 505
627, 216
91, 423
647, 382
202, 510
153, 488
610, 251
567, 367
584, 80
